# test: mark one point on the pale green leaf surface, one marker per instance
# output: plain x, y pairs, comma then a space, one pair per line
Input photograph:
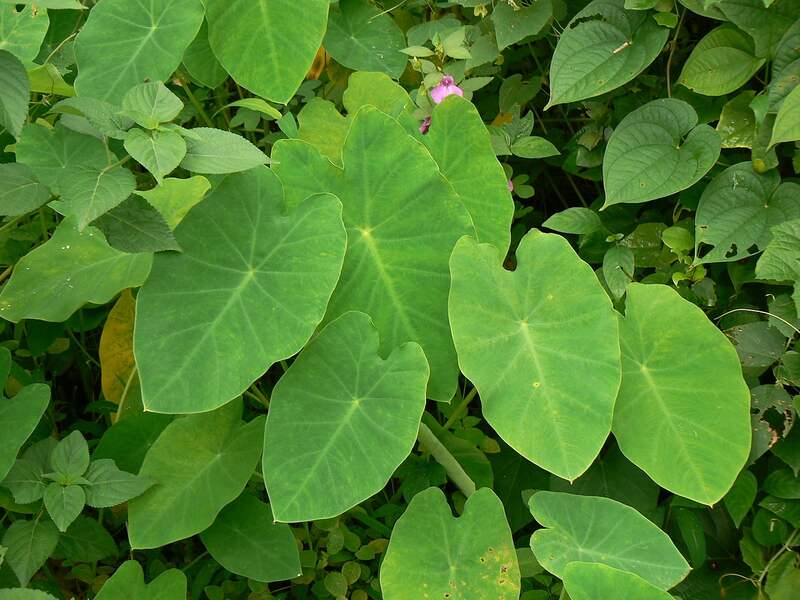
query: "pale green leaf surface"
70, 457
29, 544
108, 486
64, 503
600, 530
513, 24
787, 123
362, 37
69, 270
245, 540
127, 583
200, 463
174, 198
267, 45
160, 152
22, 33
88, 192
341, 420
245, 268
603, 47
521, 336
218, 152
14, 93
200, 62
151, 103
593, 581
689, 437
656, 151
127, 42
738, 210
432, 554
403, 219
18, 418
720, 63
737, 122
20, 192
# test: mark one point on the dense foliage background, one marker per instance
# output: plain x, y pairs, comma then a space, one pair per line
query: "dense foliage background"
261, 336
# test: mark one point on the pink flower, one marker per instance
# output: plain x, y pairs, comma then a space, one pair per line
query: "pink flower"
447, 87
426, 124
510, 186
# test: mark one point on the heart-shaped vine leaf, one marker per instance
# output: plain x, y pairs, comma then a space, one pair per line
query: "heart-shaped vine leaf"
19, 417
737, 211
600, 530
245, 540
403, 219
657, 150
127, 42
341, 413
245, 267
467, 558
765, 21
273, 56
516, 334
69, 270
151, 103
514, 23
363, 38
720, 63
592, 581
200, 463
603, 47
127, 583
691, 438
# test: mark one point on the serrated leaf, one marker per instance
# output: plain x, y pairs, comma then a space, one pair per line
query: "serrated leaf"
200, 463
267, 45
70, 457
218, 152
603, 47
366, 411
604, 531
29, 544
19, 416
69, 270
25, 481
656, 151
64, 503
738, 210
21, 192
160, 152
244, 267
149, 104
125, 43
689, 437
720, 63
516, 340
89, 192
362, 37
594, 580
135, 226
108, 486
127, 583
427, 543
14, 93
245, 540
402, 224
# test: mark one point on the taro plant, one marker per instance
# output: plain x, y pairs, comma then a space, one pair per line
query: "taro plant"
466, 299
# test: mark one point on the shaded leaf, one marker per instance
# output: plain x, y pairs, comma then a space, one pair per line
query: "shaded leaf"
135, 226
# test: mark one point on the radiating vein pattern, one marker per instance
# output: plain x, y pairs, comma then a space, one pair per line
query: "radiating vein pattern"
248, 290
341, 420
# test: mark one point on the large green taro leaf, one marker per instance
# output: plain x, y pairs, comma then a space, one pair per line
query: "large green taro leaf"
246, 541
433, 555
363, 37
603, 47
267, 45
128, 583
600, 530
128, 42
593, 581
70, 269
457, 140
341, 420
683, 411
18, 418
403, 219
657, 150
248, 290
201, 463
22, 32
522, 336
737, 211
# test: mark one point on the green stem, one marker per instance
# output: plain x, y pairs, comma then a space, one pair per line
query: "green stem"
194, 561
359, 514
672, 45
784, 548
196, 103
456, 414
442, 455
124, 396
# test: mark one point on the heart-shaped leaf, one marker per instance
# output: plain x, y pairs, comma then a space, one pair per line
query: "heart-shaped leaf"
516, 334
341, 413
127, 582
19, 416
245, 267
657, 150
691, 438
591, 581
